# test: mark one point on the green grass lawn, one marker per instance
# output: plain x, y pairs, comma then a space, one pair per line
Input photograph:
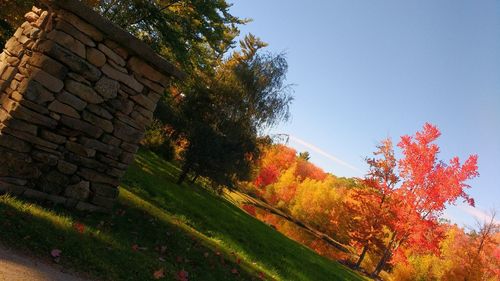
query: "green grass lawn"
160, 225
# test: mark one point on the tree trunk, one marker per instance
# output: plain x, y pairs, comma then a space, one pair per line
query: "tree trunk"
184, 174
193, 180
385, 257
361, 257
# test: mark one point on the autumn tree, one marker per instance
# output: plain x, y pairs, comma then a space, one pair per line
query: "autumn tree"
222, 114
427, 186
371, 205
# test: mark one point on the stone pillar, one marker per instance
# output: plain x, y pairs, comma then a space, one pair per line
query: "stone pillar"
76, 94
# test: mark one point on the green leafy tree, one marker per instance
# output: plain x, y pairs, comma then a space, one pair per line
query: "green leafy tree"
222, 114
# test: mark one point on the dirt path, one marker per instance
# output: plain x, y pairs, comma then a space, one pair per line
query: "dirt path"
18, 267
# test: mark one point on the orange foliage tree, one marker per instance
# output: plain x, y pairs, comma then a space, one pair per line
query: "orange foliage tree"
428, 185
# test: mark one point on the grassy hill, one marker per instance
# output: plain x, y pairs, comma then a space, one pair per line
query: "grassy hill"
163, 227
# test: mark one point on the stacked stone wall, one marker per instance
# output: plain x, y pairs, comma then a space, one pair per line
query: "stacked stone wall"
74, 106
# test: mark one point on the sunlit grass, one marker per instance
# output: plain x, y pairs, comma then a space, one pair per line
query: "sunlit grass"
201, 233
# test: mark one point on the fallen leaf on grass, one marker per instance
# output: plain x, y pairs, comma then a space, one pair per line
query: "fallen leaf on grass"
56, 255
79, 227
160, 273
182, 275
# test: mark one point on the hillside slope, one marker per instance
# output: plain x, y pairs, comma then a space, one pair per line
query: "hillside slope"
180, 232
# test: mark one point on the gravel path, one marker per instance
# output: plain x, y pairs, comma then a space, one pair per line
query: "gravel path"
19, 267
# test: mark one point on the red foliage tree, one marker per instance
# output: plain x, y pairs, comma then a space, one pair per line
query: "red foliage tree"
427, 186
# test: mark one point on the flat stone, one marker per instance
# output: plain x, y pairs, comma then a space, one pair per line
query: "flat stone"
112, 162
126, 79
14, 47
59, 107
117, 67
107, 88
35, 92
84, 92
96, 57
98, 110
112, 55
48, 81
81, 126
100, 146
49, 65
87, 162
81, 25
153, 96
71, 60
43, 20
127, 158
14, 143
11, 188
9, 105
103, 202
31, 16
56, 153
52, 137
68, 42
129, 121
114, 172
35, 107
35, 194
33, 117
17, 165
29, 138
143, 69
58, 200
79, 78
111, 140
104, 124
78, 35
71, 100
79, 191
80, 149
66, 167
104, 190
144, 102
140, 119
46, 158
151, 85
87, 207
126, 132
97, 177
22, 126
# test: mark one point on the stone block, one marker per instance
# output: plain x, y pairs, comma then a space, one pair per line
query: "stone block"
102, 123
59, 107
96, 57
71, 100
126, 79
71, 60
112, 55
77, 34
84, 92
97, 177
66, 167
79, 191
127, 133
81, 126
107, 88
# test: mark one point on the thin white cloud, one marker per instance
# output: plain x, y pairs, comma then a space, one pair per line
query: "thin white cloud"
318, 150
477, 213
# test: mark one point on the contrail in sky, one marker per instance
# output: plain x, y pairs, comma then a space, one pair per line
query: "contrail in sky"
324, 153
477, 213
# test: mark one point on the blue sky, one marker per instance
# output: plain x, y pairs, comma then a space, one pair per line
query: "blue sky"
367, 70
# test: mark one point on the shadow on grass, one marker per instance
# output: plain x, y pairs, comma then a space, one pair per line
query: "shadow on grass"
153, 180
128, 245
